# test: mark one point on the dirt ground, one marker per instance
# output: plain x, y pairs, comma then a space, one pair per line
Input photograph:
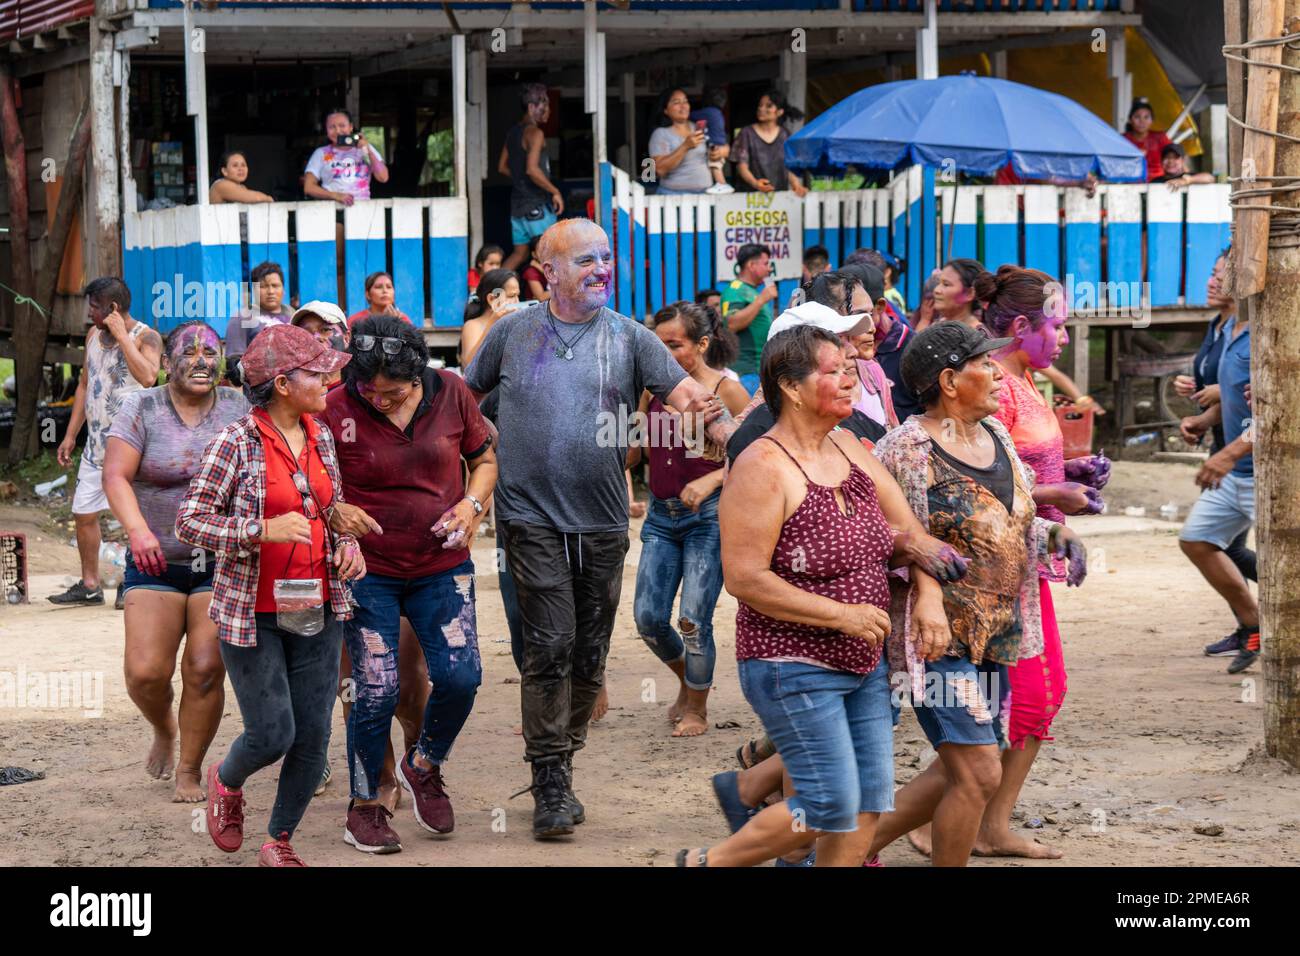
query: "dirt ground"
1154, 741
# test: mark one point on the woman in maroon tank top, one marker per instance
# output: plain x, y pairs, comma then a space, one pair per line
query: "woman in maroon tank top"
810, 522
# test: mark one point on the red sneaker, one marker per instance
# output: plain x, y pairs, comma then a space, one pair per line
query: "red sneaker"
225, 813
367, 829
431, 804
278, 853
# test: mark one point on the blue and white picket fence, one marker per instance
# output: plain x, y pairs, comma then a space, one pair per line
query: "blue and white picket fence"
191, 262
1145, 237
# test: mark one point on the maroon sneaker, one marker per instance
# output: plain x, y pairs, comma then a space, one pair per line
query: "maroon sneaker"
431, 804
367, 829
278, 853
225, 813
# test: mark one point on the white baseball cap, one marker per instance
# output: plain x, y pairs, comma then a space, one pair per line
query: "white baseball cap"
326, 310
822, 316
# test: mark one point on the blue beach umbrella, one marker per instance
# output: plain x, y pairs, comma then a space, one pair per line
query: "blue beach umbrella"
976, 123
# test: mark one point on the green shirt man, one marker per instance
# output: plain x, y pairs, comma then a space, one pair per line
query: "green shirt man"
747, 307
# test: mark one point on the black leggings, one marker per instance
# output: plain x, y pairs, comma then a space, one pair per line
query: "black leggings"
1243, 557
286, 687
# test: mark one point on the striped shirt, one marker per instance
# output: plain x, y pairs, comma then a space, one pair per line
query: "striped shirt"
224, 498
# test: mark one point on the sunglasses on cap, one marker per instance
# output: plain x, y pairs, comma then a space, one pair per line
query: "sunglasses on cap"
364, 343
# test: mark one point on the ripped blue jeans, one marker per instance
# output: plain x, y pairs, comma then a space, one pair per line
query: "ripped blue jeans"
680, 547
440, 608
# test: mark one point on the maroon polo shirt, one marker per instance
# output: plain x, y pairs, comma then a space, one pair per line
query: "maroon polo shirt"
407, 479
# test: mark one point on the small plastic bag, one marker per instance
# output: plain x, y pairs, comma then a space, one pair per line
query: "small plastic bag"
299, 605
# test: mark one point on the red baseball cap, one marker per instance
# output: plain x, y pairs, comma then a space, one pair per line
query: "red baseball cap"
280, 349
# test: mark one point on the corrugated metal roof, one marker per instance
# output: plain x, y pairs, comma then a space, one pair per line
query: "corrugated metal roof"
24, 18
8, 19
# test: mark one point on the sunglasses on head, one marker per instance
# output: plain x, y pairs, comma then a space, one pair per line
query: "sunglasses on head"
364, 343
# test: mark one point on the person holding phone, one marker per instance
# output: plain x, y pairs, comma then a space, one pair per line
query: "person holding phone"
122, 356
679, 148
265, 500
496, 297
342, 169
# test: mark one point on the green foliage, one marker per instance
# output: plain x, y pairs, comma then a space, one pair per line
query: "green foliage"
440, 159
33, 471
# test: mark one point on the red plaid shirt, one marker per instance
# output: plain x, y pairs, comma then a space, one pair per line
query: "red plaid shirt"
226, 495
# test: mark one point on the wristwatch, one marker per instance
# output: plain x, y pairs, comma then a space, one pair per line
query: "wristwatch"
478, 505
253, 530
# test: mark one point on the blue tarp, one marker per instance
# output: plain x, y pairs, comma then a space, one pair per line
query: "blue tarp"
972, 124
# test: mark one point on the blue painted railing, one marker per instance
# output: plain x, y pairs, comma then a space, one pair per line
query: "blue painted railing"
193, 261
1123, 242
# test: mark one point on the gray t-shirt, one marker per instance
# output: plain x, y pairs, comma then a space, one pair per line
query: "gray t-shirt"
564, 423
692, 174
170, 454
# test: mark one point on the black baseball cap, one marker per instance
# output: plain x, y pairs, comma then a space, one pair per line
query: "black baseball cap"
947, 344
871, 278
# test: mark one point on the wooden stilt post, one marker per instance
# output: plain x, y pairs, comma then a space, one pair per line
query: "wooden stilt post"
1275, 377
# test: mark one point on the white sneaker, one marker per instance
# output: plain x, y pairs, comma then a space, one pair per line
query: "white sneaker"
720, 189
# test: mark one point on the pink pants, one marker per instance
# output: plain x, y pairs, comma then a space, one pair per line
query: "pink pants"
1038, 683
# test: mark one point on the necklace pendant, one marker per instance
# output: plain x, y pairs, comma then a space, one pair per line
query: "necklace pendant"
568, 354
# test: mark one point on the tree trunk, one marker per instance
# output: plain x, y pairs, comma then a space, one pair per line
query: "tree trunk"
31, 326
1275, 372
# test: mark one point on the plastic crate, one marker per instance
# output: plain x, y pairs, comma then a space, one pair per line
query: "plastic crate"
13, 568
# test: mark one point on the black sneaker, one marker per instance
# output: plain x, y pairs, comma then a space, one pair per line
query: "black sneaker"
1228, 645
119, 602
1248, 654
576, 808
552, 816
78, 594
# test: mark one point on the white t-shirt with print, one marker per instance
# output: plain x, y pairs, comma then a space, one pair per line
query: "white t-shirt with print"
343, 169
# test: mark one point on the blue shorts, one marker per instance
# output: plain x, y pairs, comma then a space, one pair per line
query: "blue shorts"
835, 732
1222, 513
964, 703
178, 578
524, 230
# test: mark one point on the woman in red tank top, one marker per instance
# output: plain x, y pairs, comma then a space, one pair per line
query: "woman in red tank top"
809, 522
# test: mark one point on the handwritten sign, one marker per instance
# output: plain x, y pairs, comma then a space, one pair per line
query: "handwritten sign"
774, 220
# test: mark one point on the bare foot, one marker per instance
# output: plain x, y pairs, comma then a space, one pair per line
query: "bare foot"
1009, 844
920, 840
161, 758
390, 795
692, 724
678, 707
602, 704
188, 787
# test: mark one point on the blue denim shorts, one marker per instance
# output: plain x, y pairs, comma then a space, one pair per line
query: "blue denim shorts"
1222, 513
835, 732
178, 578
523, 229
964, 703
